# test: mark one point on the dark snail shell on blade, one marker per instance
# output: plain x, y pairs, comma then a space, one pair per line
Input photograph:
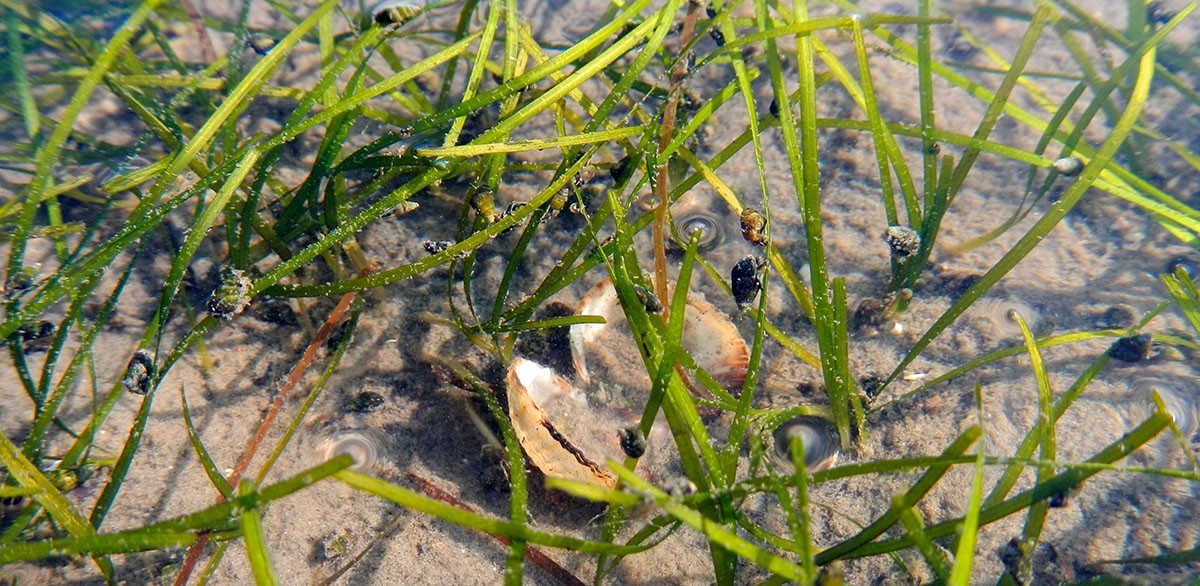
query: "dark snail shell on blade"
744, 281
1131, 348
395, 11
819, 437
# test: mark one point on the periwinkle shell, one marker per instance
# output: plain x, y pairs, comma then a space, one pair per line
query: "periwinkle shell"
903, 242
395, 11
1131, 348
744, 281
1068, 166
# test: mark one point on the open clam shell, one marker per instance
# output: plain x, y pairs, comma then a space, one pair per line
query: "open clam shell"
708, 336
537, 399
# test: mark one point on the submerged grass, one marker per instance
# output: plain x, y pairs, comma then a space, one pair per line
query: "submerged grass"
432, 110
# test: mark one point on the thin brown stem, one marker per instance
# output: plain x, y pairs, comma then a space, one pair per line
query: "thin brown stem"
293, 380
535, 555
206, 47
666, 132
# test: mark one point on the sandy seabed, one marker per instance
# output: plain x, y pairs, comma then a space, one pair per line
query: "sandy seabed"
1105, 254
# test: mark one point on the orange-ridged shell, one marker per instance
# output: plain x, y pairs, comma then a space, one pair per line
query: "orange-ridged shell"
709, 336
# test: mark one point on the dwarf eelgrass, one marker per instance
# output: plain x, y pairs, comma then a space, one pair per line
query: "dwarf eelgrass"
436, 110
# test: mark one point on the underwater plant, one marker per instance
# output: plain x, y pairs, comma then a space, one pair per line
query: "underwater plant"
438, 290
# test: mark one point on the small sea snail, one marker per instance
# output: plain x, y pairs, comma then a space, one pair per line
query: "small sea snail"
744, 281
484, 204
1131, 348
232, 295
395, 11
717, 36
139, 373
902, 241
633, 441
1068, 166
436, 246
649, 299
753, 225
818, 436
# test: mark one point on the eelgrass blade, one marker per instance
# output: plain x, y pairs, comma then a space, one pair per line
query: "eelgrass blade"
47, 495
1187, 298
1071, 477
475, 521
995, 356
684, 404
914, 494
48, 155
802, 525
150, 210
335, 359
1009, 478
256, 542
125, 460
570, 55
210, 468
1043, 429
802, 155
532, 144
1101, 100
195, 235
490, 26
104, 544
964, 554
925, 91
716, 532
515, 460
938, 201
935, 558
1053, 216
16, 65
54, 397
221, 519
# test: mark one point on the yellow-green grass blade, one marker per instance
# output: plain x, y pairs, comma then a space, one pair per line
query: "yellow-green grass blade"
256, 542
964, 555
716, 532
1052, 217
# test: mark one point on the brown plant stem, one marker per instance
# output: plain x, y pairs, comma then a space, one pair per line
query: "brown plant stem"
535, 555
293, 379
666, 132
